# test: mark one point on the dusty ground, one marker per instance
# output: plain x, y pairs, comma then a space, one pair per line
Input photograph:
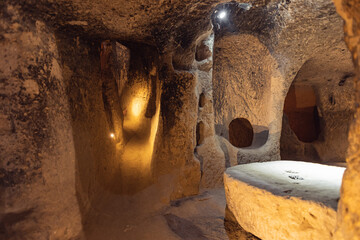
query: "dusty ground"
198, 217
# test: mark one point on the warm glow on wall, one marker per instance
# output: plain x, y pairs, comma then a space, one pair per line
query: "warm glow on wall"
137, 106
139, 102
136, 155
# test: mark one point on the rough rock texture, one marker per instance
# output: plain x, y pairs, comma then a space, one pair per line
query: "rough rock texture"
37, 171
259, 51
334, 103
62, 169
333, 90
284, 199
208, 152
231, 224
349, 212
64, 164
241, 87
175, 154
196, 217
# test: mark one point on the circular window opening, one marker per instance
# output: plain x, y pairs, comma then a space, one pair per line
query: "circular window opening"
241, 133
202, 100
200, 133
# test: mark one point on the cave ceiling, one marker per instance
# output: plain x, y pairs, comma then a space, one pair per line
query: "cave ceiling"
148, 21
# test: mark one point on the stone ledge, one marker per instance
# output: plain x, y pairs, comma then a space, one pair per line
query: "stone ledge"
284, 199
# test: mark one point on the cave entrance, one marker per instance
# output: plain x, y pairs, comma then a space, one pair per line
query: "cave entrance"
302, 114
318, 111
301, 133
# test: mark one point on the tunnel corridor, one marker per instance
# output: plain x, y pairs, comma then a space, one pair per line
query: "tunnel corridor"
195, 120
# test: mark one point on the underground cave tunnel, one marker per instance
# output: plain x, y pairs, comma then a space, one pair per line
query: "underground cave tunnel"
177, 120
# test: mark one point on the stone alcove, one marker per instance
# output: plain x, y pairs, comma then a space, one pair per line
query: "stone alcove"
318, 110
241, 133
301, 111
200, 133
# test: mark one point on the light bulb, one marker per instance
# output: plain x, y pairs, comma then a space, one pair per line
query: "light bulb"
222, 15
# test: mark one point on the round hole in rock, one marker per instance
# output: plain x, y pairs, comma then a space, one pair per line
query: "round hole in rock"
241, 133
200, 133
202, 100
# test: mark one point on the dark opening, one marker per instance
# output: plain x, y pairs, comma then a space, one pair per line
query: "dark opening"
241, 133
202, 100
199, 133
301, 111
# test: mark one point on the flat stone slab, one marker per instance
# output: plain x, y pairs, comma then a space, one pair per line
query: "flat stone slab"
284, 199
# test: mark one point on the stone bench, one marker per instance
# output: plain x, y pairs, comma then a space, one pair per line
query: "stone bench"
284, 199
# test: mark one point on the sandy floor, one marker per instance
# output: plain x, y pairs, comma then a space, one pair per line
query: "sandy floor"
198, 217
204, 216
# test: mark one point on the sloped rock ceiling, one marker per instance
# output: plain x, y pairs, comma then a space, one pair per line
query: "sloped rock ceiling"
150, 21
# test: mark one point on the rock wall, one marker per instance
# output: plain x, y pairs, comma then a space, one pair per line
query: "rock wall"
174, 152
319, 69
259, 52
243, 71
242, 88
212, 159
59, 160
348, 213
38, 190
334, 112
